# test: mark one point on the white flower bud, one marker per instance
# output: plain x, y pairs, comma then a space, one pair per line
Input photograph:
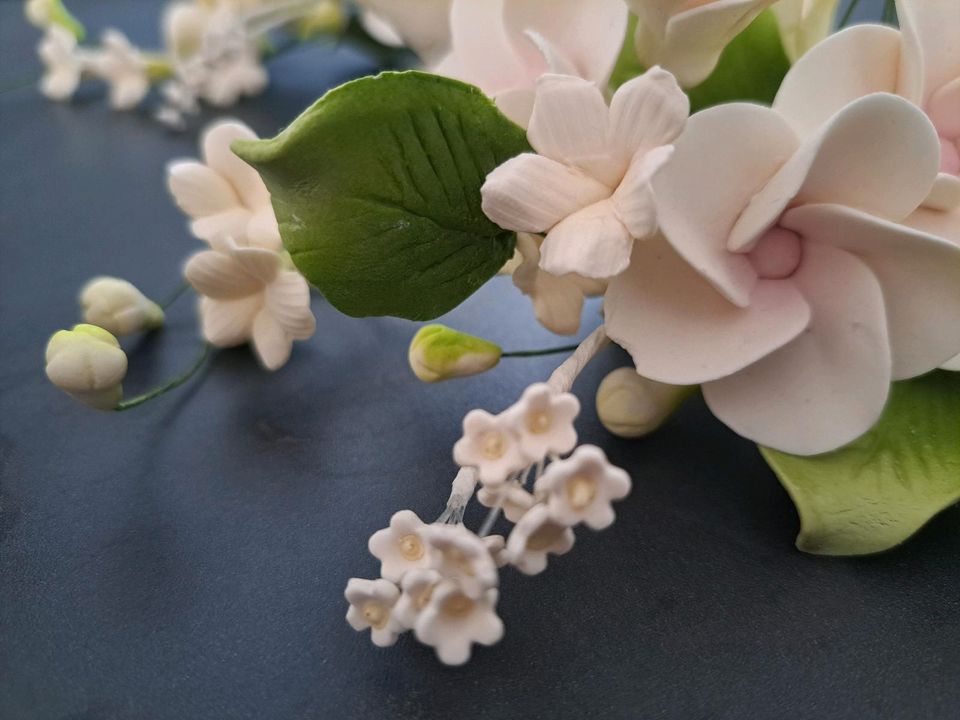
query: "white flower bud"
631, 406
441, 353
88, 364
118, 307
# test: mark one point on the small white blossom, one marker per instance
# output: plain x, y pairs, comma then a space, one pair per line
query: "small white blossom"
88, 364
416, 589
453, 621
536, 535
510, 497
371, 605
399, 547
496, 544
544, 419
491, 445
581, 488
118, 306
458, 554
63, 63
124, 69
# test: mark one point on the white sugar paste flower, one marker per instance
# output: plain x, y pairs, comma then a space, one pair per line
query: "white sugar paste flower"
124, 69
458, 554
536, 535
118, 306
803, 23
496, 545
416, 588
787, 287
421, 25
582, 487
491, 445
88, 364
588, 188
371, 606
510, 497
63, 63
453, 621
399, 547
251, 294
543, 419
223, 195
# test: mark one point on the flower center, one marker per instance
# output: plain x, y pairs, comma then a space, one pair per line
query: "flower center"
421, 600
457, 605
544, 537
492, 446
457, 559
410, 547
538, 423
777, 254
375, 614
580, 492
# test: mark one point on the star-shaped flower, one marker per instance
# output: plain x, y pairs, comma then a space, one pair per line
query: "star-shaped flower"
453, 621
400, 548
371, 605
460, 555
534, 537
543, 419
582, 487
490, 444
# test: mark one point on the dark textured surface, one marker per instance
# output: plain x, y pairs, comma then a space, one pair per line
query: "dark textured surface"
187, 560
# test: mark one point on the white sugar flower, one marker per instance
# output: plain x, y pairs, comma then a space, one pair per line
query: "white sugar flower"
581, 488
118, 306
544, 419
416, 589
251, 294
588, 188
88, 364
536, 535
458, 554
399, 547
124, 69
491, 445
496, 545
63, 63
452, 622
223, 195
421, 25
371, 605
510, 497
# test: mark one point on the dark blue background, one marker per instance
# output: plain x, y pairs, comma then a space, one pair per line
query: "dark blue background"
187, 560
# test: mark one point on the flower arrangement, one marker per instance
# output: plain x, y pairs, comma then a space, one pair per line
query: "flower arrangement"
770, 212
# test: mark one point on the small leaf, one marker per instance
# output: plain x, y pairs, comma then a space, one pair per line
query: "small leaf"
377, 191
876, 492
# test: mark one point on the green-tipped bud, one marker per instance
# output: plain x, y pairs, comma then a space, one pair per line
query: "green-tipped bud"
328, 18
88, 364
632, 406
44, 13
441, 353
118, 307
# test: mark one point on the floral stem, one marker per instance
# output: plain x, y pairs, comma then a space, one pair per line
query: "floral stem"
538, 353
563, 377
849, 13
488, 522
175, 295
167, 387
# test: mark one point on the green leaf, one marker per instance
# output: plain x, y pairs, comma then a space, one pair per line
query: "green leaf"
377, 191
876, 492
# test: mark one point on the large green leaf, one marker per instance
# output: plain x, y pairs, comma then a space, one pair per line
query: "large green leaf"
876, 492
377, 191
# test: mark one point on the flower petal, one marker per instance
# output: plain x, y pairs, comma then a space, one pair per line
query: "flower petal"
681, 331
646, 112
569, 121
557, 301
931, 52
262, 229
219, 276
634, 200
288, 300
198, 190
257, 262
918, 274
424, 25
227, 323
218, 155
271, 343
942, 224
829, 385
517, 105
592, 242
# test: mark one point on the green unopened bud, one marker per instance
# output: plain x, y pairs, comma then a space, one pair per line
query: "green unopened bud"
88, 364
328, 18
441, 353
118, 307
631, 406
44, 13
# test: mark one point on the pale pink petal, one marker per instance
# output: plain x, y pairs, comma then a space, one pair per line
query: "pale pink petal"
288, 300
944, 108
262, 230
423, 25
723, 157
232, 223
829, 385
849, 65
646, 112
270, 341
198, 190
517, 105
634, 200
227, 323
681, 331
557, 301
953, 364
918, 274
931, 50
569, 121
942, 224
219, 276
592, 242
257, 262
218, 155
945, 193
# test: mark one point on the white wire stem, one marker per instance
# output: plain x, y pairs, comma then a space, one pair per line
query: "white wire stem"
564, 376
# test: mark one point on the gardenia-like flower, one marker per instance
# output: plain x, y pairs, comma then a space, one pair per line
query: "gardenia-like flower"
124, 69
224, 196
88, 364
371, 605
400, 548
453, 621
64, 63
118, 307
491, 445
632, 406
588, 187
251, 294
785, 284
582, 487
416, 589
687, 36
458, 554
536, 535
544, 421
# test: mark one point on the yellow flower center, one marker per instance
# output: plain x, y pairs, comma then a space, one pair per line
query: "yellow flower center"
421, 600
375, 614
538, 422
410, 547
493, 445
458, 605
457, 559
544, 537
580, 492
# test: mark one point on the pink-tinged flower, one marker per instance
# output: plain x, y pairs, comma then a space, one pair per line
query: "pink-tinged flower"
543, 420
588, 186
452, 622
421, 25
504, 46
491, 445
687, 36
785, 283
582, 488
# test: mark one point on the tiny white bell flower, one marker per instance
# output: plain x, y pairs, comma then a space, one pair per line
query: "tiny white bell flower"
509, 497
630, 405
452, 622
371, 605
491, 445
400, 547
415, 592
63, 63
458, 554
544, 419
441, 353
124, 69
581, 488
536, 535
88, 364
118, 306
496, 544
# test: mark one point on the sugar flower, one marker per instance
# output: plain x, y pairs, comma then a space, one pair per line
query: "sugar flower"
582, 487
630, 405
803, 23
543, 419
453, 621
88, 364
421, 25
458, 554
223, 195
588, 188
118, 306
534, 537
63, 63
371, 605
124, 69
251, 294
504, 46
400, 547
687, 36
785, 284
496, 545
491, 445
510, 497
440, 353
416, 588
